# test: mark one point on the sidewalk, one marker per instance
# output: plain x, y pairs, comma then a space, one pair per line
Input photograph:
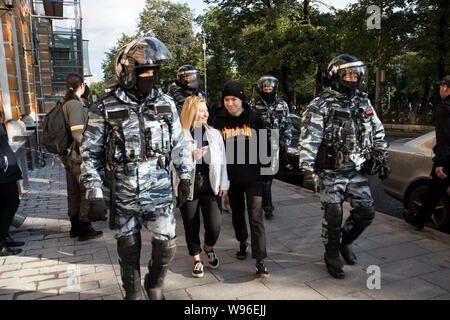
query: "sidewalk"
413, 265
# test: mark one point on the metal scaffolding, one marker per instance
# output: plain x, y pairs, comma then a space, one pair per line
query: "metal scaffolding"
58, 47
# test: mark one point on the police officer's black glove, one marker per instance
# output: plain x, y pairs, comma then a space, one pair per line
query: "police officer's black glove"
266, 178
385, 170
183, 192
310, 180
284, 159
97, 206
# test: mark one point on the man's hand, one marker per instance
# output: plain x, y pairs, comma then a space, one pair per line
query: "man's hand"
97, 206
223, 193
310, 180
3, 164
184, 189
440, 173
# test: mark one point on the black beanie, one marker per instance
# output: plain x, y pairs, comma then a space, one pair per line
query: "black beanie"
233, 88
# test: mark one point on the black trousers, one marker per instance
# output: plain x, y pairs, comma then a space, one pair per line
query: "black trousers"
205, 200
252, 192
9, 200
76, 192
267, 195
436, 189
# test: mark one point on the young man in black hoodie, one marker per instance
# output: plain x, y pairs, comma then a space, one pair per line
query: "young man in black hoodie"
240, 129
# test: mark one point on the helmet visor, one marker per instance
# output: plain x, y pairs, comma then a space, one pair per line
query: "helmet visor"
354, 77
148, 51
189, 78
267, 82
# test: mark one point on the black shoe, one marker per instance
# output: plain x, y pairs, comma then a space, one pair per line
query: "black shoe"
75, 226
334, 267
197, 272
268, 215
242, 253
213, 260
261, 270
87, 232
11, 243
348, 254
7, 251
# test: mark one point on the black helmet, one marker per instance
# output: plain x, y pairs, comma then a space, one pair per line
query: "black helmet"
188, 77
267, 81
342, 65
140, 54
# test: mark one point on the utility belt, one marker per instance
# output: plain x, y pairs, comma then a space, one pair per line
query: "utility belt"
331, 158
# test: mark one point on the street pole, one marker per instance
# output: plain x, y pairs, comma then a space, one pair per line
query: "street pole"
204, 62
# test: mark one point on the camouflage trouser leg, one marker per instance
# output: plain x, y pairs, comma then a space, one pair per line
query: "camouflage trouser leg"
351, 185
160, 222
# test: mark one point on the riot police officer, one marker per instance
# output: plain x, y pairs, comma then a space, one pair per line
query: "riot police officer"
275, 113
342, 140
131, 135
186, 84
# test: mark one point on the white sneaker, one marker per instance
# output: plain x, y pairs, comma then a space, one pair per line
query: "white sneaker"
198, 269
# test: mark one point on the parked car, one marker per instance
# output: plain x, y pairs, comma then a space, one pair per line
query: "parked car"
411, 164
292, 171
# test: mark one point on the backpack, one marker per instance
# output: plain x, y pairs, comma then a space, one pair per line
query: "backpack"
56, 136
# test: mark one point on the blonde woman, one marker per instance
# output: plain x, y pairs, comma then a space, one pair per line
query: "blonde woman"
209, 180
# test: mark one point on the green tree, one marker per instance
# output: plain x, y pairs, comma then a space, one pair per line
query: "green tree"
172, 23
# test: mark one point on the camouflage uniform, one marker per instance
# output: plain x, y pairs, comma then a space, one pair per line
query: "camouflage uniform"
351, 128
143, 187
276, 117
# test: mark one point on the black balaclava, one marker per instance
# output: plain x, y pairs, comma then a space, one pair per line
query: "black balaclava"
268, 97
144, 85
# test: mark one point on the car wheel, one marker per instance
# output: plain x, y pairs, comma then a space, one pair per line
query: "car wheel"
440, 219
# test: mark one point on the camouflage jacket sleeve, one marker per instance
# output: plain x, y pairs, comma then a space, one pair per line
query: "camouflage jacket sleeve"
311, 134
378, 135
285, 127
181, 157
251, 104
92, 149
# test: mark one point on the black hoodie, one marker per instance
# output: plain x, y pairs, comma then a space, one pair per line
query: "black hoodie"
442, 148
236, 131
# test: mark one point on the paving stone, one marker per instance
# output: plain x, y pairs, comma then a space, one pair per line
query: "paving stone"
68, 296
397, 252
408, 289
440, 278
35, 295
299, 292
403, 269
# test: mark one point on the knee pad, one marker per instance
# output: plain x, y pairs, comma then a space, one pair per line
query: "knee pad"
164, 250
129, 248
363, 216
333, 214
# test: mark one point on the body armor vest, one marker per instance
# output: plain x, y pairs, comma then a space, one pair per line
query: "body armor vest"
347, 139
135, 133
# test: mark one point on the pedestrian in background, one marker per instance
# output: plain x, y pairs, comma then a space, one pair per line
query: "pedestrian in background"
439, 181
75, 114
208, 179
10, 173
240, 127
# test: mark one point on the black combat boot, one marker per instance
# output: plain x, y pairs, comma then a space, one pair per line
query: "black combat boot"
129, 250
360, 218
74, 221
162, 254
5, 250
86, 231
332, 229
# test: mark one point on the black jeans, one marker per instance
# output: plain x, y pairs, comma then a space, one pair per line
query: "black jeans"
205, 200
436, 189
251, 192
77, 203
9, 200
267, 195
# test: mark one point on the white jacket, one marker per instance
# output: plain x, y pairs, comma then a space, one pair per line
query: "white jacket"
218, 175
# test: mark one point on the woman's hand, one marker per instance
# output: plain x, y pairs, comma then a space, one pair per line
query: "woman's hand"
198, 154
223, 193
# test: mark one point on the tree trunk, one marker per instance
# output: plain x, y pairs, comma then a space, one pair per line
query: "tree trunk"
444, 9
306, 11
